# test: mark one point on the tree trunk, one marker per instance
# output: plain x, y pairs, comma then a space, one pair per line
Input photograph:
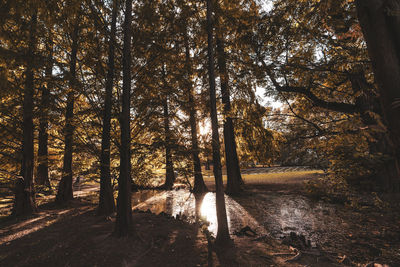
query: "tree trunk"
64, 193
208, 167
124, 207
222, 238
367, 102
234, 177
169, 165
106, 197
42, 177
380, 23
25, 200
199, 185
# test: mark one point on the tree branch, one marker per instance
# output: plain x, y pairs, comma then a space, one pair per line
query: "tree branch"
334, 106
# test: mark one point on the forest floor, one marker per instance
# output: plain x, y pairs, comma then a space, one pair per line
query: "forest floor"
296, 230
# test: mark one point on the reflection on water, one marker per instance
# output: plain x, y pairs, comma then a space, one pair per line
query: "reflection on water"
282, 214
276, 214
186, 205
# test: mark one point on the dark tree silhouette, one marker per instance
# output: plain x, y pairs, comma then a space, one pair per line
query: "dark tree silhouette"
223, 231
234, 177
106, 197
25, 195
124, 209
42, 177
380, 23
169, 165
64, 193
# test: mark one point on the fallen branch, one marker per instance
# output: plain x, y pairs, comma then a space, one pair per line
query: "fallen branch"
296, 257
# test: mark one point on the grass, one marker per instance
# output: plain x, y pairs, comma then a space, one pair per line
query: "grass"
280, 177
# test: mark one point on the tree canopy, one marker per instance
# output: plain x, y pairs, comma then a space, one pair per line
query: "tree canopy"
123, 93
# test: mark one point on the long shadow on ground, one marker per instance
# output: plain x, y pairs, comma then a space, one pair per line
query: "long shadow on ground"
82, 239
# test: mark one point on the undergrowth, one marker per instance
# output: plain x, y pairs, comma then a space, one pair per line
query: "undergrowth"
336, 190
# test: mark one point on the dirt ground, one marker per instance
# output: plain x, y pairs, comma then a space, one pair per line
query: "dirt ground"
366, 235
75, 236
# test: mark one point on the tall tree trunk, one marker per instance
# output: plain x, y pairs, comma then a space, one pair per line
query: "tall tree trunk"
199, 185
223, 231
169, 165
124, 206
367, 102
25, 199
106, 197
380, 23
234, 180
64, 193
42, 177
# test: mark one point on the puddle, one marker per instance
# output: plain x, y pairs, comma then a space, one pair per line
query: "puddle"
186, 205
274, 214
282, 214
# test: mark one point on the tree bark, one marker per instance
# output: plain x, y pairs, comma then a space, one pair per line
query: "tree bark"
222, 238
234, 177
42, 177
380, 23
25, 200
208, 167
169, 165
124, 206
64, 193
199, 185
106, 197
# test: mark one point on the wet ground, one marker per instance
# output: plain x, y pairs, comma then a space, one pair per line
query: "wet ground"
278, 214
185, 205
359, 236
275, 207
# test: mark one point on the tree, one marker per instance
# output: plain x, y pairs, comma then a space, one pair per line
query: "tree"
223, 231
235, 21
25, 194
169, 165
64, 193
258, 144
315, 58
124, 208
106, 196
340, 86
199, 185
166, 116
380, 25
42, 177
234, 177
